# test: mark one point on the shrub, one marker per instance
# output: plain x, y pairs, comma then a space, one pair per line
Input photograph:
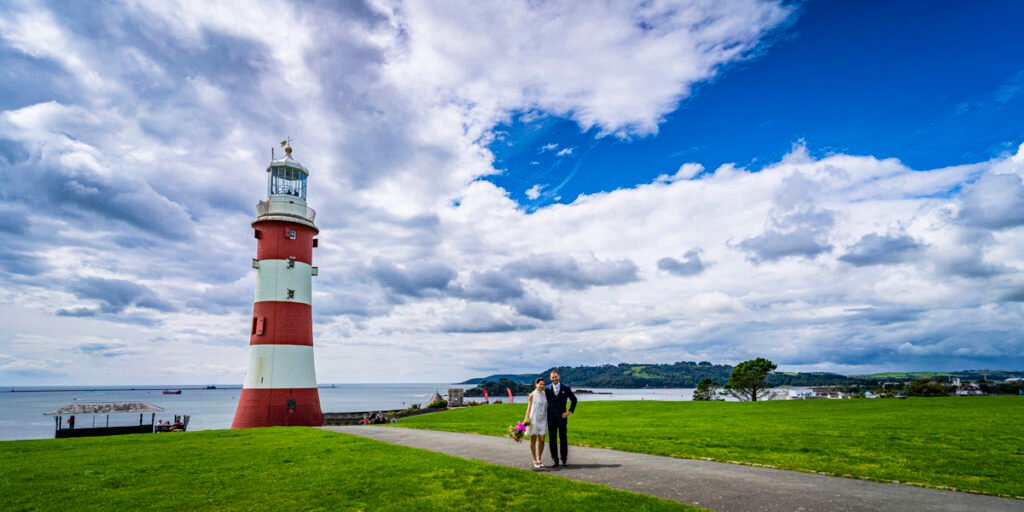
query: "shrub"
706, 391
928, 387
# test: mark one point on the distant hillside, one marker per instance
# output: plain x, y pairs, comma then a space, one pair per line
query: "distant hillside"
813, 379
971, 375
687, 374
684, 374
520, 378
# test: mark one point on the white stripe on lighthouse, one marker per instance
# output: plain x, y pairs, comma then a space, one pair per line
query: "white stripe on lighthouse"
274, 278
280, 366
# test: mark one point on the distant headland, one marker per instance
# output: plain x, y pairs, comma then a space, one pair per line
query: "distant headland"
687, 374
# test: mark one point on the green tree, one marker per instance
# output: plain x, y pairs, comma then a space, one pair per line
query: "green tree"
747, 381
928, 387
706, 391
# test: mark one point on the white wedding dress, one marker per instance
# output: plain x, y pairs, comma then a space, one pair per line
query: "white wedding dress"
538, 415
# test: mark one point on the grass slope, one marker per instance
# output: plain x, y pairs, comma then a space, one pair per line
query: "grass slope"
277, 469
974, 443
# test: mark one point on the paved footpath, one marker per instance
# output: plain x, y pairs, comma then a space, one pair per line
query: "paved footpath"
714, 485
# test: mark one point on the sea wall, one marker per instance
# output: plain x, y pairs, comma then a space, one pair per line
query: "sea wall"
355, 418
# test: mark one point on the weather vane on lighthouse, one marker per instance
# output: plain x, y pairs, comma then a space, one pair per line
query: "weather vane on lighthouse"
280, 381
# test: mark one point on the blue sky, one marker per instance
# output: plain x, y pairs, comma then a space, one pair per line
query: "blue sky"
933, 84
504, 187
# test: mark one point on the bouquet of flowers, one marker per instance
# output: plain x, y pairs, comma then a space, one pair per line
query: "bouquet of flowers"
517, 431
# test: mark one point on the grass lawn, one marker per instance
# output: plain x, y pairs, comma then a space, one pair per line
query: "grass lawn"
966, 443
277, 469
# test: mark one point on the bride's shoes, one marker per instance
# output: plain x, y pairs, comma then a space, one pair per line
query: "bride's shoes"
537, 464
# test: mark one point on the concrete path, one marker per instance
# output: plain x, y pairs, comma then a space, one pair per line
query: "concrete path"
714, 485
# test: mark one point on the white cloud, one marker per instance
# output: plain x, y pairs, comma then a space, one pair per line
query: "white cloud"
534, 191
556, 56
687, 171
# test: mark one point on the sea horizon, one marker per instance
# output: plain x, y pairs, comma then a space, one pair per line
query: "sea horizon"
212, 409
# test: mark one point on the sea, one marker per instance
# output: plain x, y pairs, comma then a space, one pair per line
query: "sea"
23, 409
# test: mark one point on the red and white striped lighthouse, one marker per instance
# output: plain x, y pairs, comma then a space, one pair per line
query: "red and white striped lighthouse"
280, 381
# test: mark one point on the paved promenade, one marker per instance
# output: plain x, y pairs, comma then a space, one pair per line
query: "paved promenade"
714, 485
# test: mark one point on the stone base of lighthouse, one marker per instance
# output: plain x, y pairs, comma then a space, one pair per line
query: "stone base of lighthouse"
280, 388
278, 407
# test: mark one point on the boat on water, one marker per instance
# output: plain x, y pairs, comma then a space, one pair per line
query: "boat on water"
172, 391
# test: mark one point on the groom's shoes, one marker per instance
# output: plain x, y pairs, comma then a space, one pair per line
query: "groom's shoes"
555, 465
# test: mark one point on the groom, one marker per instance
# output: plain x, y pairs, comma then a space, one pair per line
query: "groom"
558, 418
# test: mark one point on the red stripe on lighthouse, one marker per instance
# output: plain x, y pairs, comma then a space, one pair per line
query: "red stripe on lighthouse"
276, 242
285, 323
278, 407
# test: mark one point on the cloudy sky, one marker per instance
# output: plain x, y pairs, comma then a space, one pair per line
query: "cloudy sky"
510, 186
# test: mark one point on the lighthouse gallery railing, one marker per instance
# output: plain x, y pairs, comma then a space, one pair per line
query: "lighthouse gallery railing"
285, 208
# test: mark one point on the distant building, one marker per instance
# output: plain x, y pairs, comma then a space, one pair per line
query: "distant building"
830, 393
436, 398
969, 389
807, 394
455, 396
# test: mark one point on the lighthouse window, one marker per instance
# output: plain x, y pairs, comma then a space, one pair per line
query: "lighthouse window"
291, 294
292, 234
288, 181
291, 262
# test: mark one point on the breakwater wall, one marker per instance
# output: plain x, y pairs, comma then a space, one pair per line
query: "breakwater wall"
355, 418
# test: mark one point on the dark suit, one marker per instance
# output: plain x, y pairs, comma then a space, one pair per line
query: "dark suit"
556, 423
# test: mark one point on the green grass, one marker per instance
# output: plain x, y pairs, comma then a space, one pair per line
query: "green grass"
277, 469
974, 443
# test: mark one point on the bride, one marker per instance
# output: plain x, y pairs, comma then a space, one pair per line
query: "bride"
537, 414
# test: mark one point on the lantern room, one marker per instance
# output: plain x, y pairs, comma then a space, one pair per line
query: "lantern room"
287, 178
286, 191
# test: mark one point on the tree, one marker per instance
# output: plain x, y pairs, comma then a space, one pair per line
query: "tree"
747, 381
706, 391
928, 387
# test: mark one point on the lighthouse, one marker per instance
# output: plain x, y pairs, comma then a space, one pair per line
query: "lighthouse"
280, 380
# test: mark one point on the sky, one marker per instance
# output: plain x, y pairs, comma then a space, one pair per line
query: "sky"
506, 187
